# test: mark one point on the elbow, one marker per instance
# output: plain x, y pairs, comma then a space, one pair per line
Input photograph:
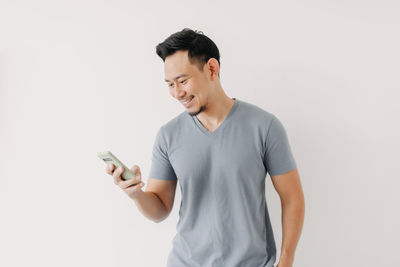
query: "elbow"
161, 218
158, 220
296, 203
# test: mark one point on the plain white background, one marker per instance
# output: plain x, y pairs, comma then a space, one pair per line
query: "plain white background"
80, 77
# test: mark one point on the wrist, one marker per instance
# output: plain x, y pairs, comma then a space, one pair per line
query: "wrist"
137, 194
286, 258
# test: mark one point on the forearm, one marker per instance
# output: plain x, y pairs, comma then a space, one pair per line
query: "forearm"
292, 224
150, 205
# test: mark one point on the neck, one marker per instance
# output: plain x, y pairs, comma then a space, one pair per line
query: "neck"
218, 107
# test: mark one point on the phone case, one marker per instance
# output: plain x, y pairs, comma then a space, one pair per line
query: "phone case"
109, 157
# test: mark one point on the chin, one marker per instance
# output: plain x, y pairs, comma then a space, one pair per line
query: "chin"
194, 113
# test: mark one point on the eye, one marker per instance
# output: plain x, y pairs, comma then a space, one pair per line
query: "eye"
182, 82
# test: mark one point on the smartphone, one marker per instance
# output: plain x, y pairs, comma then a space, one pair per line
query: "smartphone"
109, 158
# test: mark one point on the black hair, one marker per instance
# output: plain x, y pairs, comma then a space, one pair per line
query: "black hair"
200, 48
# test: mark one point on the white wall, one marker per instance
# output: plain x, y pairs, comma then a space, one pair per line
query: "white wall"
80, 77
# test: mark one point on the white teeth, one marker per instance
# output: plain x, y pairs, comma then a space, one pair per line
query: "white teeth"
188, 100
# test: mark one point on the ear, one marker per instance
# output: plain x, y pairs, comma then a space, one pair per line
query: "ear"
213, 68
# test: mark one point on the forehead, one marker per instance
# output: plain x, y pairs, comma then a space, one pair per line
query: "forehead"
178, 64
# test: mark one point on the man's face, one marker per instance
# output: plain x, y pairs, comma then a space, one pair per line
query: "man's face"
186, 82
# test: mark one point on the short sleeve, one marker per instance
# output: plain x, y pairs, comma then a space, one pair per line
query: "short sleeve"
278, 157
161, 167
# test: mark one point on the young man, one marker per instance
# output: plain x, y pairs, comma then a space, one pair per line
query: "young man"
220, 149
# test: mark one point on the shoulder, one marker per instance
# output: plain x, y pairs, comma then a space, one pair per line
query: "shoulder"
255, 114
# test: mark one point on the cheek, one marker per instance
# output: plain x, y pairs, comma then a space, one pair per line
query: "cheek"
192, 87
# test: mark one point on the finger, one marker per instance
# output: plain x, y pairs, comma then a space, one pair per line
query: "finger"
136, 170
131, 182
110, 168
117, 175
133, 189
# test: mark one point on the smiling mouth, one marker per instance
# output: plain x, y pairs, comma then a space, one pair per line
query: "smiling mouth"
188, 102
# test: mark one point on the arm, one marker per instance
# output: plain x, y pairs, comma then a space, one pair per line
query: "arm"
157, 201
290, 191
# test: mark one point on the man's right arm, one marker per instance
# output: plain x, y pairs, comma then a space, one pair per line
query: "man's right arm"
157, 201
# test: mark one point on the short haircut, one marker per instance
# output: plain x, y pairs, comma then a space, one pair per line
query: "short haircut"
200, 48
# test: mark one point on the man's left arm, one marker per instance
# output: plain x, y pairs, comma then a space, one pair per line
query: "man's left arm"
290, 191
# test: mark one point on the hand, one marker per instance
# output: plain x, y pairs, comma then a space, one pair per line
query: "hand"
131, 187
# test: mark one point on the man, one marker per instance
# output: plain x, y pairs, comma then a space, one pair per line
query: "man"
220, 149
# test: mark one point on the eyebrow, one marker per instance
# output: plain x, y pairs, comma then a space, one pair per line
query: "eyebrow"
177, 77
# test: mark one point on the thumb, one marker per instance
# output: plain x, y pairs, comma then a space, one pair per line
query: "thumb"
136, 170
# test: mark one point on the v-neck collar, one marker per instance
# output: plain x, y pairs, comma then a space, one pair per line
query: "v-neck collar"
207, 132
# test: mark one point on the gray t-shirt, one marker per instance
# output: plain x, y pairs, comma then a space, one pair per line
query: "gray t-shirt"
223, 216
